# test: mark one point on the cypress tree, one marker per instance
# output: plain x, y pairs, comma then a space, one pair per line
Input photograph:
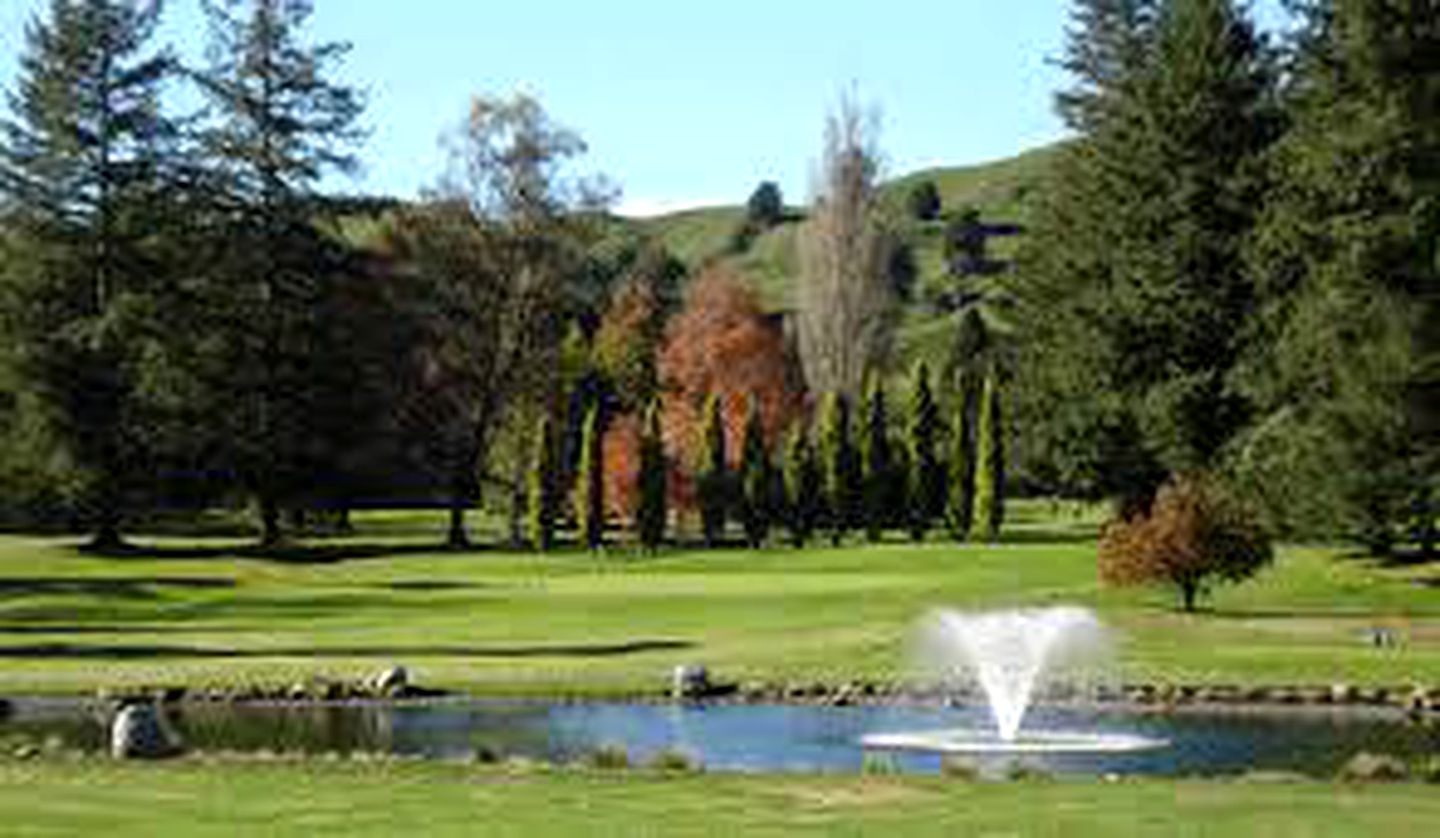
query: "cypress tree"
714, 481
756, 480
650, 518
81, 175
927, 477
803, 486
879, 477
590, 487
990, 466
543, 488
961, 481
841, 465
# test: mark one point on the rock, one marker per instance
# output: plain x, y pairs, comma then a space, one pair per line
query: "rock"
689, 681
1343, 693
1371, 768
138, 733
298, 692
390, 680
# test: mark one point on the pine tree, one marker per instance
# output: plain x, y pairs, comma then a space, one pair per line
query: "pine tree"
277, 127
926, 499
990, 467
714, 478
543, 488
590, 485
841, 464
1346, 256
1132, 279
803, 486
756, 479
651, 515
82, 171
879, 477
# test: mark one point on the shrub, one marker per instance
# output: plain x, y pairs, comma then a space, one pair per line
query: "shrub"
608, 758
879, 478
927, 477
714, 478
674, 761
1192, 534
590, 488
923, 201
841, 466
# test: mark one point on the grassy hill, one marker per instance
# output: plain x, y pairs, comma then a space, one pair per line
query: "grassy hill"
1001, 190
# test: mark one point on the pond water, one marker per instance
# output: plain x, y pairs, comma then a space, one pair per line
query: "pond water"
752, 738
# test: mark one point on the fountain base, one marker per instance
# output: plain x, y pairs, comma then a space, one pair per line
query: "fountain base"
974, 741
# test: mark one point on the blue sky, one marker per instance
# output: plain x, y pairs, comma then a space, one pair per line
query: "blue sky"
685, 103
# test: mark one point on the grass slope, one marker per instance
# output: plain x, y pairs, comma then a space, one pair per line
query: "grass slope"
438, 799
207, 612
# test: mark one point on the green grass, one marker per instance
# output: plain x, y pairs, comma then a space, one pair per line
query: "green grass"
206, 612
191, 798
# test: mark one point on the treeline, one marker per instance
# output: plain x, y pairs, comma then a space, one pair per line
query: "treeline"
190, 322
1235, 269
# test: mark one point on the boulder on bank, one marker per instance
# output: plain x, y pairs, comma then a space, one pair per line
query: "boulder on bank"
138, 732
689, 681
391, 681
1374, 768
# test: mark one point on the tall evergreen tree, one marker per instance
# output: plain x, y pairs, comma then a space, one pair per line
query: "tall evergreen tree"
990, 466
1134, 279
844, 496
714, 473
1346, 382
880, 472
960, 483
590, 485
82, 170
757, 483
651, 516
926, 495
544, 482
804, 502
277, 126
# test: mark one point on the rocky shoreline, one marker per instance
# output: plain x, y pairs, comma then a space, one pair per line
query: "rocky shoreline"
1415, 700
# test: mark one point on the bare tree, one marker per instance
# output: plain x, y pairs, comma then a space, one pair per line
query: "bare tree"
844, 305
498, 246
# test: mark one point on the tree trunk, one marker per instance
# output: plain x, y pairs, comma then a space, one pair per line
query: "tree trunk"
1188, 592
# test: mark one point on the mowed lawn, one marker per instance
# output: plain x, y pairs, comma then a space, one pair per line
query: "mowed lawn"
198, 612
47, 798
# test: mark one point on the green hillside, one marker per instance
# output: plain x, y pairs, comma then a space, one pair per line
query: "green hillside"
1001, 190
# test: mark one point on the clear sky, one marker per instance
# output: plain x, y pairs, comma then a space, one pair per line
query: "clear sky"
685, 103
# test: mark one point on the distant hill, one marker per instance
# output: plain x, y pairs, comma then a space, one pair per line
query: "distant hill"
1001, 190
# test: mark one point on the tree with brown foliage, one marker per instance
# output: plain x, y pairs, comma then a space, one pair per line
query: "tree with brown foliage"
1193, 533
723, 344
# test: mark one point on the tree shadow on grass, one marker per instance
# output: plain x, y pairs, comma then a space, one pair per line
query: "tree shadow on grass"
300, 554
130, 587
55, 651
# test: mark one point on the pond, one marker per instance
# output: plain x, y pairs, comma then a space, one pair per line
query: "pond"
749, 738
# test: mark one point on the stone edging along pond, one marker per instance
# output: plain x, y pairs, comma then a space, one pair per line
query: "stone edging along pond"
1416, 701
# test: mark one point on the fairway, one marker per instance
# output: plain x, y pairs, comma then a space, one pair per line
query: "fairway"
208, 612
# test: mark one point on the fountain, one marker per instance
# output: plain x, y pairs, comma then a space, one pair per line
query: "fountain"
1011, 655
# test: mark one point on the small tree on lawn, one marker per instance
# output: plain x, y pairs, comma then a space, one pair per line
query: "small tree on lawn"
543, 483
989, 466
924, 201
803, 486
1193, 534
756, 482
879, 464
714, 478
651, 514
841, 466
961, 482
927, 476
590, 488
